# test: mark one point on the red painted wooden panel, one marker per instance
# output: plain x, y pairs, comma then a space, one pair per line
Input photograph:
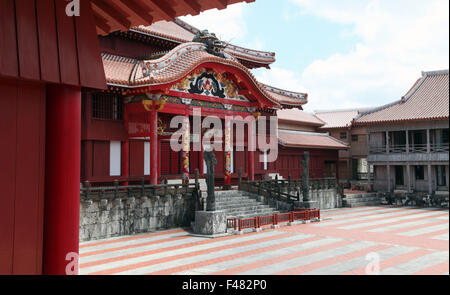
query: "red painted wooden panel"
175, 163
89, 163
67, 45
165, 158
8, 49
48, 42
219, 169
8, 106
28, 221
193, 162
27, 41
101, 158
91, 67
239, 161
136, 158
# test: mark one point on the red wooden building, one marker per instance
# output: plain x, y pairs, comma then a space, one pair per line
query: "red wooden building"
155, 73
47, 56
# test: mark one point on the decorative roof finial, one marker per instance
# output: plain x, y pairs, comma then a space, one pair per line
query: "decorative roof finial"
213, 45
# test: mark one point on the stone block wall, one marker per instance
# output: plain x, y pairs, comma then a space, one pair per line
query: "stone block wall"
327, 198
116, 217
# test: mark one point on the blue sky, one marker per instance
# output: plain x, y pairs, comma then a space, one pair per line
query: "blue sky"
344, 54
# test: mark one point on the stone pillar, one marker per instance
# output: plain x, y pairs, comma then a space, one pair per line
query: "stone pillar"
186, 149
62, 179
408, 180
407, 141
428, 141
369, 179
228, 151
430, 180
388, 173
211, 161
154, 145
387, 142
305, 176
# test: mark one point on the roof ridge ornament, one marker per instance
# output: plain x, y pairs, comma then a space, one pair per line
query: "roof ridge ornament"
214, 46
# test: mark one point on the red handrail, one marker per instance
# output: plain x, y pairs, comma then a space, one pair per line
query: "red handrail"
275, 219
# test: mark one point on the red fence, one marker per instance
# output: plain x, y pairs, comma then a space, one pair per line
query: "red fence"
275, 219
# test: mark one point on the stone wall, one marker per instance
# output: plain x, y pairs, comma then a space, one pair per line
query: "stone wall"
115, 217
326, 198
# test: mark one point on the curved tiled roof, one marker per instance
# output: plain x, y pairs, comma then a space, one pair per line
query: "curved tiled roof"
337, 119
427, 100
309, 140
178, 63
181, 32
298, 116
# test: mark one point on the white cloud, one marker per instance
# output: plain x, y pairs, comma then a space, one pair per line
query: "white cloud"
399, 39
280, 78
228, 24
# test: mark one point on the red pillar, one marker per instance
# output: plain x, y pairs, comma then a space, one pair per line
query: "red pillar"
251, 152
125, 160
154, 146
62, 180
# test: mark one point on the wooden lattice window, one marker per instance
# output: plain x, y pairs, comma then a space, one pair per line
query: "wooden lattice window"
107, 106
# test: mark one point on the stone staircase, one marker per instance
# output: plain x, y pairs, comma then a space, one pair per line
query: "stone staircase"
242, 205
360, 200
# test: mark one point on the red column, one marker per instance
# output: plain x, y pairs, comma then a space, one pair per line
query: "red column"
251, 152
62, 180
125, 160
154, 146
202, 166
186, 148
125, 163
227, 156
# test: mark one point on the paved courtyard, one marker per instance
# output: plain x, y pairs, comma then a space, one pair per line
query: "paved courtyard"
404, 240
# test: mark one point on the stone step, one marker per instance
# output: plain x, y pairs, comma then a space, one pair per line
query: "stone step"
241, 206
231, 198
247, 208
253, 215
362, 199
362, 204
263, 212
236, 202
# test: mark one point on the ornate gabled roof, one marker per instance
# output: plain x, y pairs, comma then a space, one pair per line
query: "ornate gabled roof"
178, 63
179, 31
287, 98
427, 100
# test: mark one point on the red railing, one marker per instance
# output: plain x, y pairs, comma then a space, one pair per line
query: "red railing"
275, 219
248, 223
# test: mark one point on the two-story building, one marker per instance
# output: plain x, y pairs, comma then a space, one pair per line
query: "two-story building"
408, 139
352, 166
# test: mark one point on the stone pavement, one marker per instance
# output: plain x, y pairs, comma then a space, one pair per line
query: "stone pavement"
404, 240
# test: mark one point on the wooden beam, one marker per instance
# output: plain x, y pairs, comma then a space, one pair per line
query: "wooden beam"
142, 12
192, 6
114, 12
101, 23
220, 4
163, 8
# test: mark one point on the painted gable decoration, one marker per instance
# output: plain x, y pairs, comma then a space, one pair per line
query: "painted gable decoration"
209, 83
